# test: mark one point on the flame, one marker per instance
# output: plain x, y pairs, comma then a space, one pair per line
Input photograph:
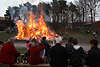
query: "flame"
34, 29
21, 29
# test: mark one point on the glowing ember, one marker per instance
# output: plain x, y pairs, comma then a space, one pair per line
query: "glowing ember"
34, 29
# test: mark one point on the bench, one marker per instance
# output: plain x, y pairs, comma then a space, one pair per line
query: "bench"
24, 65
28, 65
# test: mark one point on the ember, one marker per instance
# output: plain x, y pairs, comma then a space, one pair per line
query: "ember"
34, 29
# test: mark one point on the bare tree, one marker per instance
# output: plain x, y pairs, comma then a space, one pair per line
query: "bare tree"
92, 4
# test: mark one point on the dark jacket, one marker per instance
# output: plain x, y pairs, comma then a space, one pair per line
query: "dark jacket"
76, 56
93, 58
58, 56
46, 46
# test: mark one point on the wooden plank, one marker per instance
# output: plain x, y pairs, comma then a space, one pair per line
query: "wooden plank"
28, 65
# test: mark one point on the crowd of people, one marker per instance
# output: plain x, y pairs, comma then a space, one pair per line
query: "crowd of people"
41, 52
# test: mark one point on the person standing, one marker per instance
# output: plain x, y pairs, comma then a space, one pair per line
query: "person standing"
76, 55
95, 34
28, 43
69, 43
47, 47
8, 53
93, 58
58, 55
34, 53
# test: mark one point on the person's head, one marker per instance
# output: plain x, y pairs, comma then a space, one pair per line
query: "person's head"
10, 40
94, 42
35, 41
44, 38
32, 44
74, 42
70, 39
27, 40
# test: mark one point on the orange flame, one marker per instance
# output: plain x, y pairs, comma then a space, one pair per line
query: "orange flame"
34, 29
21, 29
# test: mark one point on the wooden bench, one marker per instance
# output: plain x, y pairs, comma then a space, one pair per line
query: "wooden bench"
24, 65
28, 65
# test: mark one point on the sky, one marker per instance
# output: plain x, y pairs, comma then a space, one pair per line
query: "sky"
5, 3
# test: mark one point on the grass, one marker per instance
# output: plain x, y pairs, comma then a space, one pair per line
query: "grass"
4, 36
81, 35
21, 50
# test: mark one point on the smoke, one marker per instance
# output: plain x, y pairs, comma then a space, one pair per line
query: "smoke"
22, 12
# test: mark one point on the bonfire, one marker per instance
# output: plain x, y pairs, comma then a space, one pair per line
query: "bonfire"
34, 29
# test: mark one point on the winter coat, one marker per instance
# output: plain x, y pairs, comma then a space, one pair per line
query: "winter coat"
8, 53
58, 56
76, 55
34, 57
46, 47
93, 58
28, 45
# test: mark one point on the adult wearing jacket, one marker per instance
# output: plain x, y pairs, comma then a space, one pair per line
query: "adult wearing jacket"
58, 55
34, 53
47, 47
8, 53
76, 54
93, 58
44, 41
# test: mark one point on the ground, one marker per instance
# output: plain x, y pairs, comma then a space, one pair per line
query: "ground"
82, 36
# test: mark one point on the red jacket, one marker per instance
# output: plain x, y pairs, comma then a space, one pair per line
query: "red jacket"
34, 57
7, 53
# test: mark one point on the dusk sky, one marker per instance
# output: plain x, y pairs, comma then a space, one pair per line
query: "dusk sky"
5, 3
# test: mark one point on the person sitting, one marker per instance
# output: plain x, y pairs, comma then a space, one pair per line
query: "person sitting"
34, 53
8, 53
93, 58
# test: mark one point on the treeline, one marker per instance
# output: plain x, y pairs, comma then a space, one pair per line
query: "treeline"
63, 13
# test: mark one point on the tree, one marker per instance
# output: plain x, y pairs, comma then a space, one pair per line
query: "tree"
73, 10
82, 5
45, 6
58, 10
92, 4
7, 15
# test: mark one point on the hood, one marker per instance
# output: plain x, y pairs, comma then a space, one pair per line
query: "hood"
76, 47
59, 39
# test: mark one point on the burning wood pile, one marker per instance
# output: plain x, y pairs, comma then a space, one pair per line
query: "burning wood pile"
34, 29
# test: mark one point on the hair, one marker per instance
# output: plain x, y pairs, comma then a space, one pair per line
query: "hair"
58, 44
75, 41
32, 44
94, 42
34, 40
70, 39
44, 38
27, 41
